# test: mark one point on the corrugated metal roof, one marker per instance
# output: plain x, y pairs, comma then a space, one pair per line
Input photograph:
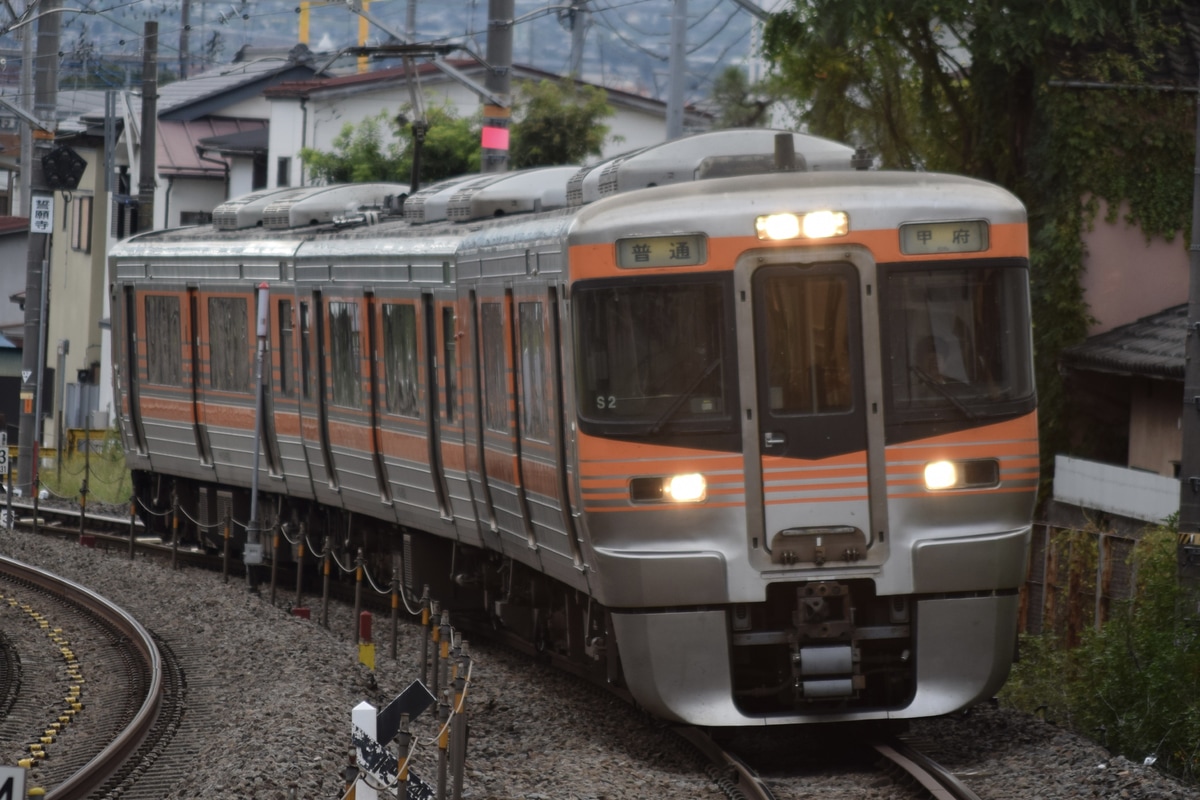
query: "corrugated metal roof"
1152, 346
177, 141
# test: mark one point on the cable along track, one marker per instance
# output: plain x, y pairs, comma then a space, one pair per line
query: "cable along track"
113, 716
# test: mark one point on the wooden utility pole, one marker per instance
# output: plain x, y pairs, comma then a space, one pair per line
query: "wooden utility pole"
33, 358
147, 168
496, 118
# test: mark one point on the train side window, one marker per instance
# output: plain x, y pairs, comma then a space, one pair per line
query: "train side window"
287, 385
229, 344
305, 352
400, 372
450, 357
164, 350
495, 370
534, 414
345, 354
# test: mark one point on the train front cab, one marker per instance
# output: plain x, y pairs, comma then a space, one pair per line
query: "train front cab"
808, 464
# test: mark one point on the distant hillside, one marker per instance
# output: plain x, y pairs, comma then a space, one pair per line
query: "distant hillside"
626, 44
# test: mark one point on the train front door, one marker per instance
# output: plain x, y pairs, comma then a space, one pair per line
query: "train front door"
812, 432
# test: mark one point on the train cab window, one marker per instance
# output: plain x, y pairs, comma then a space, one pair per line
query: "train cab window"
956, 343
450, 359
535, 416
807, 340
287, 380
345, 354
400, 359
229, 344
495, 370
164, 351
655, 357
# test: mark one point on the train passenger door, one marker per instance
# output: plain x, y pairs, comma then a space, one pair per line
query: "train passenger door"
812, 434
433, 410
131, 376
496, 355
192, 331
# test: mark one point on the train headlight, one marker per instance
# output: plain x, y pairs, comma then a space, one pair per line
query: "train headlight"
974, 474
685, 488
940, 475
813, 225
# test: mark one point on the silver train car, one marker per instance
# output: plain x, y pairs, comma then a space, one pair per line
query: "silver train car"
758, 440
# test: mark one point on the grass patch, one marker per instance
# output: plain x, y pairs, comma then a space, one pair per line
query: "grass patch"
108, 479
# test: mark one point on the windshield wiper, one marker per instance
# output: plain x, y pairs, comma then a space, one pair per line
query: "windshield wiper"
941, 389
684, 396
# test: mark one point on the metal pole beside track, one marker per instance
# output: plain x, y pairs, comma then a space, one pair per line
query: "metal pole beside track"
458, 743
274, 562
325, 588
300, 567
358, 582
225, 547
132, 525
174, 530
395, 610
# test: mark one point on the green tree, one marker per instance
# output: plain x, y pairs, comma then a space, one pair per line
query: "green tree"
557, 122
380, 148
988, 88
738, 104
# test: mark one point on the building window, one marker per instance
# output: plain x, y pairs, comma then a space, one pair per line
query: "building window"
81, 223
283, 171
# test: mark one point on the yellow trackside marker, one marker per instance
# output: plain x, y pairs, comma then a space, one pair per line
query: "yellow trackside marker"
36, 791
25, 763
366, 654
64, 719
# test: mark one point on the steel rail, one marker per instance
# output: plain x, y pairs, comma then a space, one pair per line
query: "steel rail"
93, 774
936, 779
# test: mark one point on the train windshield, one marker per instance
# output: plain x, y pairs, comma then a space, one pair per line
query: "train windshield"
957, 342
654, 356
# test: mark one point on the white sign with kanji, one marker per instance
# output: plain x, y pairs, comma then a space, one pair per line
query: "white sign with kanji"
41, 219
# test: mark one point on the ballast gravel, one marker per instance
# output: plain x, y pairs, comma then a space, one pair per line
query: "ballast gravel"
271, 695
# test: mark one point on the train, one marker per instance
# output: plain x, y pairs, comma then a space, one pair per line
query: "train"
740, 421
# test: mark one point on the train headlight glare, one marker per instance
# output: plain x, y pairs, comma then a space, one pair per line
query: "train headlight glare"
824, 224
685, 488
813, 225
940, 475
778, 226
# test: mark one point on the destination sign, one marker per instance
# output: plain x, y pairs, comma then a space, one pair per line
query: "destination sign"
684, 250
925, 238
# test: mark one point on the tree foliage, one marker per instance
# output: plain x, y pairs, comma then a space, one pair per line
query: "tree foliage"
738, 103
379, 148
556, 123
995, 90
1133, 685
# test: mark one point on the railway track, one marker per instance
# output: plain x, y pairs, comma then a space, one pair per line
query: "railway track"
105, 669
923, 776
737, 780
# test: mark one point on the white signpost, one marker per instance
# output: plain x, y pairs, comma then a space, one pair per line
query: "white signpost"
12, 783
42, 217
